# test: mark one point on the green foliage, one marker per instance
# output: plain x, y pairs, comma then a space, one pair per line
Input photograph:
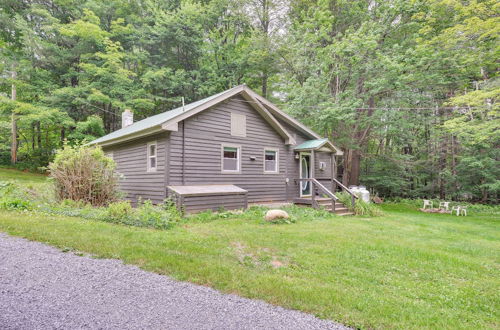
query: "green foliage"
360, 206
11, 200
119, 210
88, 130
84, 174
336, 65
15, 197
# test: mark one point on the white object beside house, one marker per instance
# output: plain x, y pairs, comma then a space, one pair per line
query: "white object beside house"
127, 118
428, 203
444, 205
364, 194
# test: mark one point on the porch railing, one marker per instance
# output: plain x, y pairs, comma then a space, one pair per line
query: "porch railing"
315, 184
353, 195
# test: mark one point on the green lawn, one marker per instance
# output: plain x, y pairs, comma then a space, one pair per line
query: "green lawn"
404, 270
7, 174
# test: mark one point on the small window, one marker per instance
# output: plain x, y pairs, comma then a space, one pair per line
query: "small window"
231, 158
152, 163
271, 161
238, 125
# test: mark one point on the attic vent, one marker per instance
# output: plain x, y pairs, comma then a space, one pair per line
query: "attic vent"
238, 125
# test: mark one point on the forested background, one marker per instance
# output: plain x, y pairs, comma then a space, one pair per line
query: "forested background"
407, 88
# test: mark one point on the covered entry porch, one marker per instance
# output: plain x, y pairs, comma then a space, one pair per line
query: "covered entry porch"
317, 181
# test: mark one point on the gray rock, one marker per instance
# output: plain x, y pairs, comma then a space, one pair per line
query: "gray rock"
273, 215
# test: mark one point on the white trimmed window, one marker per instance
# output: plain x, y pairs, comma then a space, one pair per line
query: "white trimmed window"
231, 157
152, 157
238, 125
271, 161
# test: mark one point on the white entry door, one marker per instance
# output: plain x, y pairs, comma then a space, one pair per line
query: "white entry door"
305, 173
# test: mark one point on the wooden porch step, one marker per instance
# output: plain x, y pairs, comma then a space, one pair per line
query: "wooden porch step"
326, 203
345, 213
329, 203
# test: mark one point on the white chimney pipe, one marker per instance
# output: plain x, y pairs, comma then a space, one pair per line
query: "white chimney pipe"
127, 118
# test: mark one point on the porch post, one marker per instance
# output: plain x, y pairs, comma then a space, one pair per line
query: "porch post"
334, 172
313, 165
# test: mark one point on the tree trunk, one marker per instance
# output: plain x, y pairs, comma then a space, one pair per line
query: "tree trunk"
13, 148
33, 137
355, 168
63, 135
39, 135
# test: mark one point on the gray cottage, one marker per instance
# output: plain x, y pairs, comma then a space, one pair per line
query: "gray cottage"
226, 151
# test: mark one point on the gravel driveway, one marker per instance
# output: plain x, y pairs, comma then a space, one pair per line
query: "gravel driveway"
44, 288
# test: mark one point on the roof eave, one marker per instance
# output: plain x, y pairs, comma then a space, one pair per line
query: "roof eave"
128, 137
284, 116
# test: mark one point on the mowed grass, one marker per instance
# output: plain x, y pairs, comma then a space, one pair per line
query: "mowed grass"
8, 174
404, 270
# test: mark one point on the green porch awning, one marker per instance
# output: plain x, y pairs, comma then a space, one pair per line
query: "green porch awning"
318, 144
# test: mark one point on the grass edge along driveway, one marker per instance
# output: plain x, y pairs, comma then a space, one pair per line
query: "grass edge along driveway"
403, 270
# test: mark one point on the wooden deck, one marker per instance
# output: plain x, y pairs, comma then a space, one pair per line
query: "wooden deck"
208, 189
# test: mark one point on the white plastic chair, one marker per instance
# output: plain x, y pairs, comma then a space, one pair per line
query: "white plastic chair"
456, 209
428, 203
444, 205
463, 210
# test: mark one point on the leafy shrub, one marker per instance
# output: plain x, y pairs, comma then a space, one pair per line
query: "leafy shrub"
149, 215
84, 174
360, 207
13, 197
15, 204
119, 210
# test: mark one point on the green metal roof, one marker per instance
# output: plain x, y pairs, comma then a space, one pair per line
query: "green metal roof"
311, 144
155, 120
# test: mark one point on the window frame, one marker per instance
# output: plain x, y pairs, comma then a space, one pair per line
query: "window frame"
277, 166
238, 154
149, 156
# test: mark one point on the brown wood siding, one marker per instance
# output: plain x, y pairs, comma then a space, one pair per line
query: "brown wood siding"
193, 204
131, 162
203, 136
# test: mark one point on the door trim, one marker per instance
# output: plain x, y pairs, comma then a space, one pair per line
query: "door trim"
301, 154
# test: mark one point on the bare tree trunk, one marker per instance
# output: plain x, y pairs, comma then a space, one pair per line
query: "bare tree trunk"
39, 135
361, 136
355, 167
33, 137
13, 148
346, 167
63, 135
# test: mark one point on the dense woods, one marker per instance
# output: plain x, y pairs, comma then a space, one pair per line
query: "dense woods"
407, 88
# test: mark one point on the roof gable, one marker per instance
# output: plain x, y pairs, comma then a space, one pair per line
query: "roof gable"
168, 121
318, 144
149, 123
